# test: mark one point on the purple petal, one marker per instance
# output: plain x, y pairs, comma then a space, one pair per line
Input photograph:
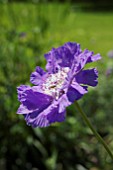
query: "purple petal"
74, 48
23, 110
52, 62
63, 103
45, 118
76, 91
37, 76
21, 89
88, 77
81, 60
85, 57
55, 116
94, 58
35, 100
62, 56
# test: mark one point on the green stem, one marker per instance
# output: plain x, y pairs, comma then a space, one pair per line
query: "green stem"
99, 138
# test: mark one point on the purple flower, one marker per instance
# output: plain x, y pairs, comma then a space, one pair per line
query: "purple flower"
110, 54
64, 82
109, 71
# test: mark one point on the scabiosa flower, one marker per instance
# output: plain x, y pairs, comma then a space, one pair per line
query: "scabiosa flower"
110, 54
63, 82
109, 71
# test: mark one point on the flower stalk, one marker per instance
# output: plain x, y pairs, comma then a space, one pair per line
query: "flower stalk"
99, 138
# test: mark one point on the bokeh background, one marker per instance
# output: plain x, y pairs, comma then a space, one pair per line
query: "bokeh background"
28, 29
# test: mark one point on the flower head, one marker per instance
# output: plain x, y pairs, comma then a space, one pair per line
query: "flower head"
64, 82
110, 54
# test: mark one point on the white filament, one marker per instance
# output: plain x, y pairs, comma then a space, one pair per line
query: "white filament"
54, 82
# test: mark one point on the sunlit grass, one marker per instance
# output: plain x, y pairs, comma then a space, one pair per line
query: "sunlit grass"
51, 25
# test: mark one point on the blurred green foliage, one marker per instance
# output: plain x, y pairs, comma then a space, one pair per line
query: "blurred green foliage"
27, 31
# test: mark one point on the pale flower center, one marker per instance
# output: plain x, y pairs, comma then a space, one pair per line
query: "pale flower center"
54, 82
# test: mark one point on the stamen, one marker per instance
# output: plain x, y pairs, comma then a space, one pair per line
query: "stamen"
54, 82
